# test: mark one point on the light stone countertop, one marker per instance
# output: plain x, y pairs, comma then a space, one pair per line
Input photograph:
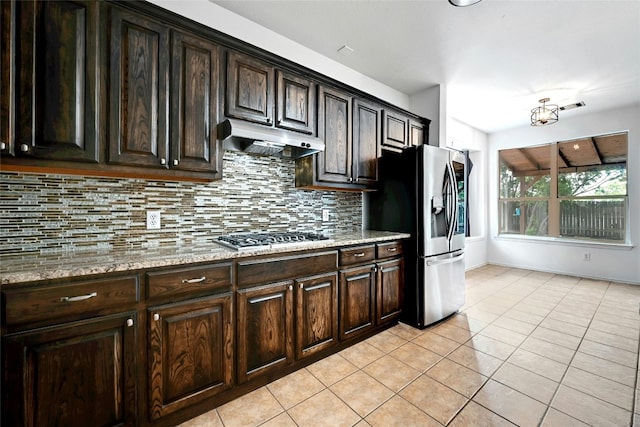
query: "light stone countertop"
58, 265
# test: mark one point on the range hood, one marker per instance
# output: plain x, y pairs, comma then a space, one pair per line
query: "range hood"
238, 135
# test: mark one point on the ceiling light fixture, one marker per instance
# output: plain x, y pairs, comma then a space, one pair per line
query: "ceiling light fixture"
545, 115
463, 3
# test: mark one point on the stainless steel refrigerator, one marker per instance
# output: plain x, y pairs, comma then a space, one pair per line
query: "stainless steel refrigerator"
422, 192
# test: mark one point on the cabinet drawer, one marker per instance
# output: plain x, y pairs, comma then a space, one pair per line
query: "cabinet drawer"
357, 255
189, 280
70, 301
389, 250
254, 272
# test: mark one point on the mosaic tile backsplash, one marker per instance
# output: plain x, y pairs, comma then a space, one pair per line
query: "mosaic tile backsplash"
48, 213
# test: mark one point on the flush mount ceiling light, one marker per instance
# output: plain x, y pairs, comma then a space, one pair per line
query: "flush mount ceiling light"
545, 115
463, 3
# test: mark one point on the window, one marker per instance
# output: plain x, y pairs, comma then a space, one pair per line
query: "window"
575, 189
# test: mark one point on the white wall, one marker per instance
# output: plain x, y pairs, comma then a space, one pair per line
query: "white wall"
221, 19
610, 262
429, 103
461, 136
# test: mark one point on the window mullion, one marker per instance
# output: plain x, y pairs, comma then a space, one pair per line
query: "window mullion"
554, 202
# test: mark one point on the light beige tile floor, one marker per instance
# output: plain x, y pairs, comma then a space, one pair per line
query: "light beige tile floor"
527, 349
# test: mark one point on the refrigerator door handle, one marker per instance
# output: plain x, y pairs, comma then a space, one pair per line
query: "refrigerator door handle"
445, 261
452, 203
454, 191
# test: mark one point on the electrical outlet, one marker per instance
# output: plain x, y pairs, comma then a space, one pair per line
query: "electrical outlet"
586, 256
153, 220
325, 214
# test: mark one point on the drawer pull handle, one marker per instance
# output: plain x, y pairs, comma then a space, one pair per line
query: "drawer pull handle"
79, 297
392, 249
197, 280
358, 255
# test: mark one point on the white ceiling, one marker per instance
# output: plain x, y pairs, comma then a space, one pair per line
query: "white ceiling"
496, 59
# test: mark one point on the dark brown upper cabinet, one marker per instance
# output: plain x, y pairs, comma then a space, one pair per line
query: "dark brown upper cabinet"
7, 78
396, 130
139, 91
335, 121
401, 131
258, 92
296, 103
250, 89
195, 77
49, 83
367, 118
418, 131
351, 130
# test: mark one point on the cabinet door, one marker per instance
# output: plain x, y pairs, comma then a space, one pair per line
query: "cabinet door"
296, 103
396, 130
334, 128
57, 73
416, 133
7, 77
139, 70
265, 329
357, 299
194, 112
250, 89
366, 142
80, 374
190, 353
390, 289
316, 314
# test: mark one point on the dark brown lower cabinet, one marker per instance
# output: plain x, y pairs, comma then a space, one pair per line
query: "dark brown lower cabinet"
357, 300
265, 329
190, 353
75, 374
316, 315
390, 282
270, 315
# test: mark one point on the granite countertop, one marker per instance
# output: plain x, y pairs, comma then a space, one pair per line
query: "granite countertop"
58, 265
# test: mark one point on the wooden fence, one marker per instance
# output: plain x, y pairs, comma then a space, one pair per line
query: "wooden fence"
594, 219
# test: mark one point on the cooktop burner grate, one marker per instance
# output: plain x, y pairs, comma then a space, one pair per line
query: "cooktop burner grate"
269, 240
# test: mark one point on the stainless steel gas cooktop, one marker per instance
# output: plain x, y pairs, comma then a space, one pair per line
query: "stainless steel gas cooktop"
250, 241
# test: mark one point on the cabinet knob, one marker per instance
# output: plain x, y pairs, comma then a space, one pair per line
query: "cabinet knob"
24, 148
175, 162
163, 161
301, 285
290, 287
129, 322
3, 146
156, 317
350, 179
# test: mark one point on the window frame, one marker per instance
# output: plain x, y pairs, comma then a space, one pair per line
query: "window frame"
554, 201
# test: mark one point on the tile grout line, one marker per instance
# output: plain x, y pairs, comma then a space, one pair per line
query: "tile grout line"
491, 377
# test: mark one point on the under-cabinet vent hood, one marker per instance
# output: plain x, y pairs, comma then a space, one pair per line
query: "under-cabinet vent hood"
237, 135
